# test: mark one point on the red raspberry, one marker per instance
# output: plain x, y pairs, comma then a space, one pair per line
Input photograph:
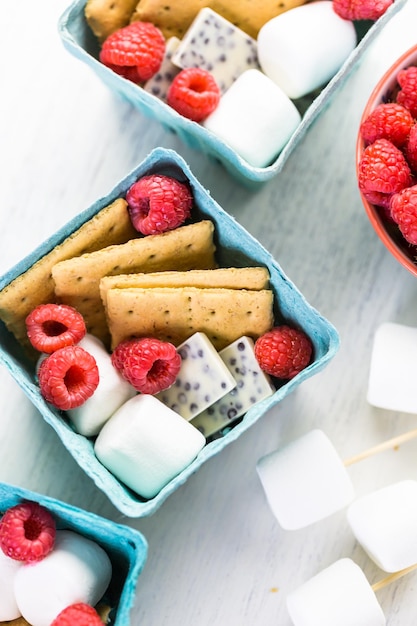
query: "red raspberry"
194, 93
407, 96
388, 120
53, 326
158, 203
140, 45
361, 9
404, 213
382, 171
283, 351
79, 614
27, 532
68, 377
150, 365
411, 149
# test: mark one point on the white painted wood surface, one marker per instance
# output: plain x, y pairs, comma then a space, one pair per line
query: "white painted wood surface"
216, 555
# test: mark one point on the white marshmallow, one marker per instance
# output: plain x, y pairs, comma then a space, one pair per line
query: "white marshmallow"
77, 570
339, 595
145, 444
112, 391
8, 605
304, 47
393, 368
255, 118
385, 524
305, 481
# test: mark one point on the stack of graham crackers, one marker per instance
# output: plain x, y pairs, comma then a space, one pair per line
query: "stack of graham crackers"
166, 285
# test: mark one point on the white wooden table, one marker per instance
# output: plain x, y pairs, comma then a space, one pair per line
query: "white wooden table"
216, 554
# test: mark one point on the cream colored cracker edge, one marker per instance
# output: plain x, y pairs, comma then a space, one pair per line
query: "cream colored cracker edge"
106, 16
255, 278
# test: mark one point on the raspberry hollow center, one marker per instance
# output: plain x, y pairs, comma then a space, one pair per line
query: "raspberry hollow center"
52, 328
74, 377
32, 529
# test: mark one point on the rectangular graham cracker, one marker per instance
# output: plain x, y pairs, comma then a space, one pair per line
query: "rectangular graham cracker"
174, 18
77, 280
174, 314
255, 278
109, 226
106, 16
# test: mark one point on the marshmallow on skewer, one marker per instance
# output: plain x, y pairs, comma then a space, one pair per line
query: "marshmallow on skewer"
112, 391
384, 522
8, 605
77, 570
145, 444
305, 481
255, 118
338, 595
303, 48
393, 368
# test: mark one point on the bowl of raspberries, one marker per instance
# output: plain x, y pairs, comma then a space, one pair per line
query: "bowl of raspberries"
386, 159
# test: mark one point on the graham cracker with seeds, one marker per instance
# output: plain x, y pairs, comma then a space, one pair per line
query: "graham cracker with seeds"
109, 226
224, 277
175, 313
106, 16
174, 18
77, 280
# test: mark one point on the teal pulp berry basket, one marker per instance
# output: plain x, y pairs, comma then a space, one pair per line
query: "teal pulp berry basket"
235, 248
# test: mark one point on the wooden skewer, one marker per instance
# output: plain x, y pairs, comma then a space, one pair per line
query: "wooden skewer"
392, 577
385, 445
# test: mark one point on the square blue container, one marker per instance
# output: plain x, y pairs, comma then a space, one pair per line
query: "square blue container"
80, 41
235, 247
126, 547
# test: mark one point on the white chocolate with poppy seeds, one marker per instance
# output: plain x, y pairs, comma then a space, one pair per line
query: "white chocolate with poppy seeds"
202, 380
214, 44
252, 386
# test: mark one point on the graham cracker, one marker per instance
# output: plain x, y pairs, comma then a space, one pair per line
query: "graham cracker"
174, 18
255, 278
106, 16
77, 280
109, 226
175, 313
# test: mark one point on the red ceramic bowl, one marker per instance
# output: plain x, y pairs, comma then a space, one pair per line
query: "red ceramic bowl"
387, 231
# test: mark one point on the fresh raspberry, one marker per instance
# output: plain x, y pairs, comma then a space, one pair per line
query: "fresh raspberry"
283, 351
53, 326
407, 96
194, 93
410, 149
404, 213
27, 532
140, 45
68, 377
361, 9
382, 171
388, 120
158, 203
79, 614
150, 365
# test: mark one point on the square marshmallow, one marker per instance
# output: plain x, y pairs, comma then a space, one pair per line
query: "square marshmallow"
385, 524
393, 368
305, 481
339, 595
255, 118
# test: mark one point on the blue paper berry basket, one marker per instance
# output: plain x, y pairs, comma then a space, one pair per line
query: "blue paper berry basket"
235, 247
79, 41
126, 547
